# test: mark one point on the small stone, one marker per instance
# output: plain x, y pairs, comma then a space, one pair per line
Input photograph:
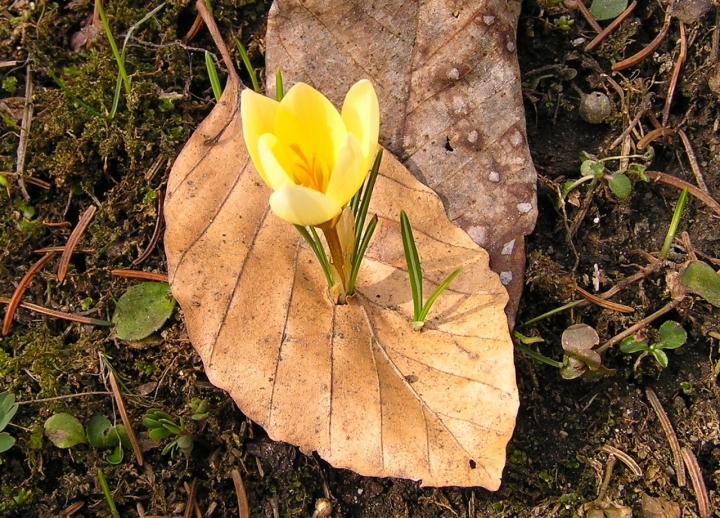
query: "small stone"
506, 278
494, 176
453, 74
508, 248
473, 136
524, 208
489, 19
595, 107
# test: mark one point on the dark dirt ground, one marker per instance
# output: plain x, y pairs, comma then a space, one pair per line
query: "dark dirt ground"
556, 464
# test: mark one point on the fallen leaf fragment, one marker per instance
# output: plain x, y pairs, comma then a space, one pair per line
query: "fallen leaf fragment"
352, 382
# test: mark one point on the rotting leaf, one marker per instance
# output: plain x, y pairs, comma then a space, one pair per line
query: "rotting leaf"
252, 296
64, 430
142, 310
701, 279
578, 341
448, 83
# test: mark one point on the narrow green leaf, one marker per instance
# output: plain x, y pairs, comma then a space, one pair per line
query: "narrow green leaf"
213, 75
413, 264
537, 356
248, 65
435, 294
318, 250
108, 495
170, 425
674, 223
367, 191
113, 46
74, 97
660, 356
279, 89
151, 423
158, 434
360, 253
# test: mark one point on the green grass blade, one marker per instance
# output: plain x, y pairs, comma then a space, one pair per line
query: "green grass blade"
318, 250
674, 223
364, 203
435, 294
213, 75
413, 264
74, 97
279, 88
108, 495
246, 61
113, 45
360, 253
116, 97
136, 26
537, 356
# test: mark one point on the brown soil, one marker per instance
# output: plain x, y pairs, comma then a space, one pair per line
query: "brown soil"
556, 464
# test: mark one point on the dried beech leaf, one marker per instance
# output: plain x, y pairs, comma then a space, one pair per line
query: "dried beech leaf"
351, 382
448, 81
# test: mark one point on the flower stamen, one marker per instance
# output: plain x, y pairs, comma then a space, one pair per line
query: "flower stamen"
312, 174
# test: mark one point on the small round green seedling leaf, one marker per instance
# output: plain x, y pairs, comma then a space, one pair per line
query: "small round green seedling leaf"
620, 185
6, 441
591, 168
630, 345
99, 432
672, 336
700, 278
116, 455
7, 408
607, 9
142, 310
64, 430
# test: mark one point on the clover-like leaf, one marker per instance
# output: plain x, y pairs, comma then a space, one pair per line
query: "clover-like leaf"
6, 441
451, 102
142, 310
377, 398
620, 185
64, 430
672, 335
631, 345
701, 279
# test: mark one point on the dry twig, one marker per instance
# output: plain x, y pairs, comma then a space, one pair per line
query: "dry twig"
682, 184
80, 319
625, 459
698, 483
136, 274
191, 500
243, 507
607, 304
676, 75
638, 326
25, 134
159, 223
614, 25
693, 161
670, 434
589, 17
14, 301
73, 241
125, 418
637, 58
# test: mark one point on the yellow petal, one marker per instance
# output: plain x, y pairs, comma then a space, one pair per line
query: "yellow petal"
349, 172
306, 118
272, 160
361, 114
302, 206
258, 117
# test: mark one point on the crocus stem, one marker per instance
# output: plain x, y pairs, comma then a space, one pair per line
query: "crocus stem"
333, 241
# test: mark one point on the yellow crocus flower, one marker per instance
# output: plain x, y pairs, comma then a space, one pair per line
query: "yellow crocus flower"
313, 157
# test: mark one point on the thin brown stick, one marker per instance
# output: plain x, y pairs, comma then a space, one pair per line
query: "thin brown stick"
25, 134
125, 418
66, 396
698, 483
610, 28
194, 29
217, 38
29, 179
693, 161
156, 232
637, 58
589, 17
670, 434
20, 290
607, 304
652, 135
676, 74
643, 108
48, 249
716, 37
59, 314
243, 507
192, 504
638, 326
73, 508
625, 459
676, 182
136, 274
73, 241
